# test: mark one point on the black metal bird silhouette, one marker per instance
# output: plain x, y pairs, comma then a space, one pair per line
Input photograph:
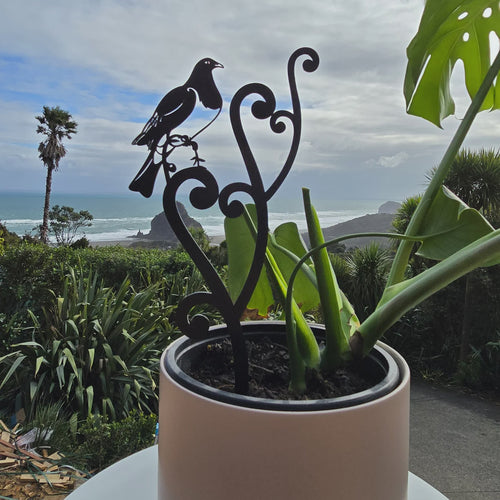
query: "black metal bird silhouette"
171, 112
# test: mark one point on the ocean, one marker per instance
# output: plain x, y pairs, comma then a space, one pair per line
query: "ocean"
119, 217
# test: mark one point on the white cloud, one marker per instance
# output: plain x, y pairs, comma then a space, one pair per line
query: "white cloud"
392, 161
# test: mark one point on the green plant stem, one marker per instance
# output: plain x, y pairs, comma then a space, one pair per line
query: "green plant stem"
402, 257
331, 300
422, 286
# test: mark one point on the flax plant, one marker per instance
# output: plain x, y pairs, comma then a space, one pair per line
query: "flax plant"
96, 350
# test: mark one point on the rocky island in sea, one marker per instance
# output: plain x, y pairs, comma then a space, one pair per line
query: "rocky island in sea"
161, 233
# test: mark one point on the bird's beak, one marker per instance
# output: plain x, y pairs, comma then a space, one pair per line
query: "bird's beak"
218, 65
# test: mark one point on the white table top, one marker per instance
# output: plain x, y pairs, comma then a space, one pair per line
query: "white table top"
137, 475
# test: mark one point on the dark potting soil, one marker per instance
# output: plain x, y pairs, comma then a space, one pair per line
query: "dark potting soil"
269, 373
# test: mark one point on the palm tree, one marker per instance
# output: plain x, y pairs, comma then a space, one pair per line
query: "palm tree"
404, 214
475, 178
368, 268
56, 124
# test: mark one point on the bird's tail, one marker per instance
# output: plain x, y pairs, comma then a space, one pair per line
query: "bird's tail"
144, 181
140, 140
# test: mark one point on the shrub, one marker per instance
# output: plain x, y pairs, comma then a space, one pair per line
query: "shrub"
28, 271
98, 352
99, 442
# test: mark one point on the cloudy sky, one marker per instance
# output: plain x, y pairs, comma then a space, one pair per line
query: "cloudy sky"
108, 62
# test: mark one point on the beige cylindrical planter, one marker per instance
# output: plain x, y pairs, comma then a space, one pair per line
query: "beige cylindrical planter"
215, 450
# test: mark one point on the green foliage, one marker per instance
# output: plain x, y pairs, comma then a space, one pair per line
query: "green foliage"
430, 337
368, 269
64, 222
446, 227
450, 30
82, 242
341, 269
7, 238
28, 271
404, 214
201, 238
52, 427
98, 351
474, 177
337, 331
99, 442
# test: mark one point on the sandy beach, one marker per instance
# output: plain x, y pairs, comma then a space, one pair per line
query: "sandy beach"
214, 240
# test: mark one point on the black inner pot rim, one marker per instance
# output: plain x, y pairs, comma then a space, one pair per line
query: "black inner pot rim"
379, 358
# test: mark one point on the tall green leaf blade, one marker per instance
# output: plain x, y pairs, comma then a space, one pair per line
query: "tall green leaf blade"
449, 30
337, 339
34, 386
91, 353
19, 359
90, 398
38, 364
71, 359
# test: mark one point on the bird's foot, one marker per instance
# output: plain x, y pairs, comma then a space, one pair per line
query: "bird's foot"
197, 161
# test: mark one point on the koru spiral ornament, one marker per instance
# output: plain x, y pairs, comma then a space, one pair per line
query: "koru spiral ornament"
158, 135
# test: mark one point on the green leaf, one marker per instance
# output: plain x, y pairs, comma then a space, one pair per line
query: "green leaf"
349, 320
38, 364
450, 225
71, 360
90, 399
34, 386
91, 353
470, 252
55, 346
287, 247
60, 376
19, 359
240, 250
450, 30
73, 326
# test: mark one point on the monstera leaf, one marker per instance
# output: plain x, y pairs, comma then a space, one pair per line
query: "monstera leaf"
450, 30
449, 226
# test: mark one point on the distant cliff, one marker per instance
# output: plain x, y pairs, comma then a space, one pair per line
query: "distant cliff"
376, 223
370, 223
